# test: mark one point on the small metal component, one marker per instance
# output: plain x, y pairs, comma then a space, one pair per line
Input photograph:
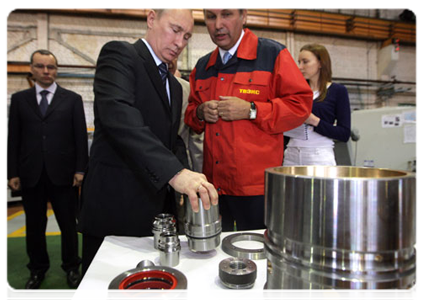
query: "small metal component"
169, 247
163, 223
149, 276
144, 264
229, 248
237, 273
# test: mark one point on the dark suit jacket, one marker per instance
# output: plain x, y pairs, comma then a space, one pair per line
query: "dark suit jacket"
58, 140
135, 146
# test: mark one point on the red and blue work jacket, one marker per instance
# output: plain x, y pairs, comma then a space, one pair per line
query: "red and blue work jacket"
236, 153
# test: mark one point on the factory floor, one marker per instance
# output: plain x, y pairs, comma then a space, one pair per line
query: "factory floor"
16, 220
17, 259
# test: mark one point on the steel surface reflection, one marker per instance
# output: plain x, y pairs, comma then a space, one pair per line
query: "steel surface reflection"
340, 227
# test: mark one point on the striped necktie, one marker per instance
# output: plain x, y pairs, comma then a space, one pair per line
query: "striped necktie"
163, 72
43, 102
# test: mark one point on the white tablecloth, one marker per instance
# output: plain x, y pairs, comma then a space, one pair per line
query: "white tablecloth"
119, 254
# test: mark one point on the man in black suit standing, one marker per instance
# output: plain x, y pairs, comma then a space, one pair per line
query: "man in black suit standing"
134, 166
47, 157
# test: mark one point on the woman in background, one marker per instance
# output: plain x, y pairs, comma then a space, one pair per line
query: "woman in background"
312, 143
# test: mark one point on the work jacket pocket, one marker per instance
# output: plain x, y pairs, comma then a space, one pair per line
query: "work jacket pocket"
251, 86
203, 90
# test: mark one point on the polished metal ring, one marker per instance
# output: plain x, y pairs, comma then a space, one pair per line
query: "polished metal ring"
229, 248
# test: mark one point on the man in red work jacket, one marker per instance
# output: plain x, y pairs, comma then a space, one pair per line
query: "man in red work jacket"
244, 105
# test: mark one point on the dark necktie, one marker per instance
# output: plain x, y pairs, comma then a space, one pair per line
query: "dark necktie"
44, 102
163, 72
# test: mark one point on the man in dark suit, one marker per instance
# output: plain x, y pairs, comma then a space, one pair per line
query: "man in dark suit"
47, 155
134, 163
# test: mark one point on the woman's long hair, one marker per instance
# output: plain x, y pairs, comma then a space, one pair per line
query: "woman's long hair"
326, 67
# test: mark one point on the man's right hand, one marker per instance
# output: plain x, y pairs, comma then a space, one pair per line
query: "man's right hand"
190, 183
14, 183
207, 111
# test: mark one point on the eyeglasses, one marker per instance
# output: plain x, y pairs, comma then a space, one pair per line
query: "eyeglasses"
42, 67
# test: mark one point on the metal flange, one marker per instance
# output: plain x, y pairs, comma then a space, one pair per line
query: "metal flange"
148, 276
229, 248
237, 273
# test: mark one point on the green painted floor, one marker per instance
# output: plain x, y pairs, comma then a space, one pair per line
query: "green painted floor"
17, 259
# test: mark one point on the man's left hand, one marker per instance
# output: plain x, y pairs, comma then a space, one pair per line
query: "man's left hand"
233, 108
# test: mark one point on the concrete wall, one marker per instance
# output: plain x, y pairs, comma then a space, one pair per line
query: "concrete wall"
77, 40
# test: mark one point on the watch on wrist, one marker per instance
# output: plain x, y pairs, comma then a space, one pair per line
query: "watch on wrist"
253, 111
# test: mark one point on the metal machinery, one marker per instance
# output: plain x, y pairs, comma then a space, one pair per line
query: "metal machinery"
340, 228
202, 228
148, 276
384, 138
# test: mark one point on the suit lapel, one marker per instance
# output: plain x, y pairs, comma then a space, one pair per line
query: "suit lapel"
176, 96
152, 72
56, 101
32, 102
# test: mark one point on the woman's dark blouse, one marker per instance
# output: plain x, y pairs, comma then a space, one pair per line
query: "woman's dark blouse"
336, 106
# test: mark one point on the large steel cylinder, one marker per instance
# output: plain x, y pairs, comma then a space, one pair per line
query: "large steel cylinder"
340, 228
202, 228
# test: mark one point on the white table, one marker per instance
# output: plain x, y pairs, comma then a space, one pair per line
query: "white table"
119, 254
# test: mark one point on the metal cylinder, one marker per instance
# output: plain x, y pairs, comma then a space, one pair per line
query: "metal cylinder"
202, 228
163, 223
169, 247
340, 227
237, 273
148, 276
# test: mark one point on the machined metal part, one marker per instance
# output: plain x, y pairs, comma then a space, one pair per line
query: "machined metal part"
237, 273
169, 248
202, 228
163, 222
229, 248
144, 264
148, 276
340, 228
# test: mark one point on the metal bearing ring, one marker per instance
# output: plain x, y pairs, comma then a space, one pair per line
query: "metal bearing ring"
237, 273
229, 248
149, 276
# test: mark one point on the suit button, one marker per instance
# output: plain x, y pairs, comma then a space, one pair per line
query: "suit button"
44, 137
217, 162
217, 133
